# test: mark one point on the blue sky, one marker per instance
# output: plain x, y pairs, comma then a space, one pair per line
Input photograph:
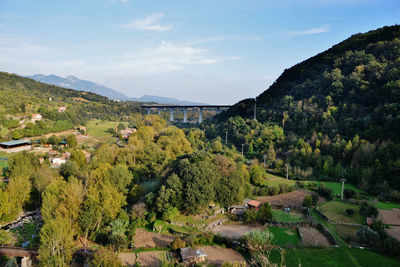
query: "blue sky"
217, 52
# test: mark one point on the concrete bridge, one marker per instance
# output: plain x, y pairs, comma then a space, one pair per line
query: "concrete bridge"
177, 108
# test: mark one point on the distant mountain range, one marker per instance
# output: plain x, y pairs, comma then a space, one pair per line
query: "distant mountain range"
73, 82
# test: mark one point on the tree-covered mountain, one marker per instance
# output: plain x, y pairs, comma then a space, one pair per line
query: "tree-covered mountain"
334, 115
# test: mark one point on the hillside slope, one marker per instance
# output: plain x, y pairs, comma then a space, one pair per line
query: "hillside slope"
352, 88
21, 97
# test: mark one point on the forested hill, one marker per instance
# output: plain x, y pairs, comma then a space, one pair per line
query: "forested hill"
21, 97
351, 88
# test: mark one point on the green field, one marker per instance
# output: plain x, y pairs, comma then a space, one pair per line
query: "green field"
98, 129
273, 180
282, 216
284, 236
334, 257
336, 211
335, 186
386, 205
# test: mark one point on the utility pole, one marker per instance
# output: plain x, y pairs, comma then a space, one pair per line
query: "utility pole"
255, 108
242, 150
265, 156
342, 180
226, 137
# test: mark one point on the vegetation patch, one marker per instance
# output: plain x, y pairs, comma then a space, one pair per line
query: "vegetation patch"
286, 217
386, 205
284, 237
336, 211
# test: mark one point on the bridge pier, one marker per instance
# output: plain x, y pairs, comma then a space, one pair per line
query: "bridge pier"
184, 116
159, 112
26, 262
171, 115
148, 111
200, 115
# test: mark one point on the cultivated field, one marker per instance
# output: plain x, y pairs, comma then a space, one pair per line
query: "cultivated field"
285, 217
145, 239
235, 231
291, 199
218, 255
147, 258
313, 238
390, 216
284, 237
394, 231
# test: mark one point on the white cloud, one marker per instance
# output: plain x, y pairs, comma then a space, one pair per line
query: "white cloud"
224, 38
311, 31
149, 23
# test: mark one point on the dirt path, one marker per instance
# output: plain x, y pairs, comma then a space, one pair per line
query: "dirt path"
148, 258
390, 216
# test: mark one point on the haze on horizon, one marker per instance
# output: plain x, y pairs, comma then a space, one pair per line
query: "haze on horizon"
216, 52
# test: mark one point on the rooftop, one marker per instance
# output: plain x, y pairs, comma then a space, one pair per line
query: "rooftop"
16, 143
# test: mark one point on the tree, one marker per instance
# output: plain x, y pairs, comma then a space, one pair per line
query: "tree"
257, 174
308, 202
264, 213
71, 141
105, 257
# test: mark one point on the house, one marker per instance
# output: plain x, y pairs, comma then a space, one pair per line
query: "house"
36, 117
15, 146
62, 109
191, 256
127, 132
82, 130
57, 162
237, 209
254, 204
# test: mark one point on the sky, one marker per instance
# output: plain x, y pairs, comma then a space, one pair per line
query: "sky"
216, 52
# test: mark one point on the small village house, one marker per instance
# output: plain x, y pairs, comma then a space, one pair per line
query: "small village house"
127, 132
62, 109
254, 204
57, 162
191, 256
36, 117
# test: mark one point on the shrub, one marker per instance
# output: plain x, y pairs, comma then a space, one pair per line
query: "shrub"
349, 193
367, 210
350, 212
6, 238
272, 191
178, 243
264, 214
325, 192
307, 202
315, 199
105, 258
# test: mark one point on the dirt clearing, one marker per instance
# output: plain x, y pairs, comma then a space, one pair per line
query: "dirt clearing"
145, 239
313, 238
148, 258
235, 231
390, 216
218, 256
287, 200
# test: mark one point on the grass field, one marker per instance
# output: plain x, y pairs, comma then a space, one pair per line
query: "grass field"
284, 236
282, 216
98, 128
336, 211
386, 205
334, 257
335, 186
347, 231
273, 180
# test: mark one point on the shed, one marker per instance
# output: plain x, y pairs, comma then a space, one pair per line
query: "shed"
16, 145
